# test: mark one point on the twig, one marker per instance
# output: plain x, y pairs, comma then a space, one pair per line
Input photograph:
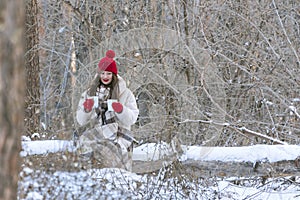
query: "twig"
240, 130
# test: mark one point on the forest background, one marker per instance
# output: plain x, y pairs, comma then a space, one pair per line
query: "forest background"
193, 65
214, 73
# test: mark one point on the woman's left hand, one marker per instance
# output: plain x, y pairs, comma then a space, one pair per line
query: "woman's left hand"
118, 107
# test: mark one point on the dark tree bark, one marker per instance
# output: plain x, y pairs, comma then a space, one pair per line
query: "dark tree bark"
11, 94
32, 99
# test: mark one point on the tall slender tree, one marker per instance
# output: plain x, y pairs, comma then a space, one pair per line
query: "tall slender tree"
11, 94
32, 99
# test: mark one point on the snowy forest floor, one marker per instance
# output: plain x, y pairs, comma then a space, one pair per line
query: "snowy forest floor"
256, 172
66, 161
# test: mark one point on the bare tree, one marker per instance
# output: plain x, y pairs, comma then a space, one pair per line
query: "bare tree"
32, 101
214, 73
11, 94
252, 55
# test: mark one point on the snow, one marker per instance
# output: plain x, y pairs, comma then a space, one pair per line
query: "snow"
272, 153
153, 151
34, 195
117, 183
253, 193
45, 146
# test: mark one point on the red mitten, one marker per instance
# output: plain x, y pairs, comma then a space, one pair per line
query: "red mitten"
118, 107
88, 105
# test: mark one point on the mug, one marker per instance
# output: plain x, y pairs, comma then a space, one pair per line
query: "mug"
109, 102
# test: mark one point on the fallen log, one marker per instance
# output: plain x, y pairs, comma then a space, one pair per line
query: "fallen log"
260, 160
242, 169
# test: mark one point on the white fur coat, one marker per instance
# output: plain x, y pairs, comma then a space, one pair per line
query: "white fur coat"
125, 119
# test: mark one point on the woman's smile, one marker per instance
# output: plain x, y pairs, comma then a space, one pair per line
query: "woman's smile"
106, 77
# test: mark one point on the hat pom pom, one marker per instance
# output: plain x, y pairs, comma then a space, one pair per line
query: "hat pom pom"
110, 54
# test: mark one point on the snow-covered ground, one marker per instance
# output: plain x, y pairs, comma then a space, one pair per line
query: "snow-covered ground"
153, 151
120, 184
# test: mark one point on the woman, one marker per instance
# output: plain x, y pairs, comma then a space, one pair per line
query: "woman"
109, 109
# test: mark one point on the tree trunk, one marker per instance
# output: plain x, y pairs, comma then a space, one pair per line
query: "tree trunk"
11, 94
32, 100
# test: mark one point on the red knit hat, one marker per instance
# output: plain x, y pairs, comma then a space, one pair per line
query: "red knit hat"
107, 63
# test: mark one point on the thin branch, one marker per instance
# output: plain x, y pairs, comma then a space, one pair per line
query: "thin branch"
240, 130
285, 33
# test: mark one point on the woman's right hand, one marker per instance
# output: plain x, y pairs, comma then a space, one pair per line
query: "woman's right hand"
88, 105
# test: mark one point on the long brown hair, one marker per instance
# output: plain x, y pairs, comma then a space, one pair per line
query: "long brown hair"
114, 91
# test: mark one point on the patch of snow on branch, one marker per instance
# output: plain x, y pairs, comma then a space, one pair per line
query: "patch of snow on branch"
45, 146
272, 153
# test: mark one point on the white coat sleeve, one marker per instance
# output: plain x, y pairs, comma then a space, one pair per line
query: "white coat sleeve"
130, 111
81, 116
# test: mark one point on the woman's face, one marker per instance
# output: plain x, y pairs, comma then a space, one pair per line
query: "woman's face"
106, 77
